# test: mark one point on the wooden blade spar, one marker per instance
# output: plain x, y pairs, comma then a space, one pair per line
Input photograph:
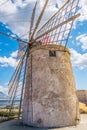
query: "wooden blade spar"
32, 20
39, 19
18, 39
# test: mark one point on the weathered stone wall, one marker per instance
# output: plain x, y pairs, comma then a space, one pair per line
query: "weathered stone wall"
50, 96
82, 96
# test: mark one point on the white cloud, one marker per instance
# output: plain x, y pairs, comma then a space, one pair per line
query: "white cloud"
78, 60
83, 10
9, 61
14, 54
14, 12
82, 40
4, 89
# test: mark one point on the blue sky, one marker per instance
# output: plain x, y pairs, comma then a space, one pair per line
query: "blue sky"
14, 20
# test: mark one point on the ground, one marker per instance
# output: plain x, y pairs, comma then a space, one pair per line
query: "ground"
15, 125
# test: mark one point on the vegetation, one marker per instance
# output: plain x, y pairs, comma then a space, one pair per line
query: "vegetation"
4, 113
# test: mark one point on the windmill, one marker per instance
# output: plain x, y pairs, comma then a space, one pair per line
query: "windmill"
30, 74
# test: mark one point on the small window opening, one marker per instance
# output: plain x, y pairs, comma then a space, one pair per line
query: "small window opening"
52, 53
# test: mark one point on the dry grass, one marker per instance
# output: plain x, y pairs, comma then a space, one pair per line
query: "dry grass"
83, 108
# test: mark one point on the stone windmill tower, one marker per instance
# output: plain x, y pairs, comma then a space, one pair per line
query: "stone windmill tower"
47, 91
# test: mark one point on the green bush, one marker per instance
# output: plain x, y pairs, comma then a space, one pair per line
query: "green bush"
6, 113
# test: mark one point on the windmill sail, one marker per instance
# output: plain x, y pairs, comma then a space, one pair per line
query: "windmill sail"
58, 27
16, 84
